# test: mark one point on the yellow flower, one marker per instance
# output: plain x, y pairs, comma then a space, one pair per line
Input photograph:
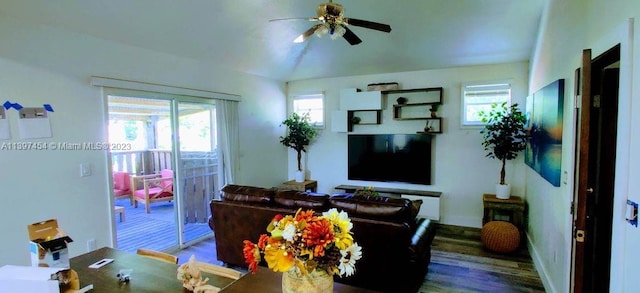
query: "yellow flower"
278, 258
342, 225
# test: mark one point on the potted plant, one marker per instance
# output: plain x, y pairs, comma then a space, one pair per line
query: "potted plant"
299, 135
503, 137
434, 110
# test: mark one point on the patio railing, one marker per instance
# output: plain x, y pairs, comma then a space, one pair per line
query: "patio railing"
199, 177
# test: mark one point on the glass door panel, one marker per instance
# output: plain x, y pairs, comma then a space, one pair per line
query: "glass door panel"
198, 168
144, 124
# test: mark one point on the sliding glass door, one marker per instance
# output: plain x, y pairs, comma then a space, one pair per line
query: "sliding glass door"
172, 137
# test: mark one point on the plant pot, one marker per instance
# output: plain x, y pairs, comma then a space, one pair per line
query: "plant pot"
299, 176
503, 191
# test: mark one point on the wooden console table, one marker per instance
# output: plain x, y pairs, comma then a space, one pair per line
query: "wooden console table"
300, 186
393, 191
509, 210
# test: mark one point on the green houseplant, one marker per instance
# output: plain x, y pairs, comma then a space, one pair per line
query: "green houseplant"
503, 137
300, 133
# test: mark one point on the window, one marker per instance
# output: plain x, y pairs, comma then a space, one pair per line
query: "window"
480, 97
312, 103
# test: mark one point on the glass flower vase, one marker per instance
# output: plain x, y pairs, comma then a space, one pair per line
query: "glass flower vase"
317, 281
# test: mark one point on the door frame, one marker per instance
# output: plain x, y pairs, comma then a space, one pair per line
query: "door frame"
622, 34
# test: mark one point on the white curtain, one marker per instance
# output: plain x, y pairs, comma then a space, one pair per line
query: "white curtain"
228, 141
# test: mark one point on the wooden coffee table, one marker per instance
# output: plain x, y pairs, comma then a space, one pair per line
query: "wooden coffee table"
268, 281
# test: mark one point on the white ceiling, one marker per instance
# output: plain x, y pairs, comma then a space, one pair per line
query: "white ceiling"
237, 34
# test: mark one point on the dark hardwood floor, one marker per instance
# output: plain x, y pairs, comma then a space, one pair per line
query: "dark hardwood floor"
458, 264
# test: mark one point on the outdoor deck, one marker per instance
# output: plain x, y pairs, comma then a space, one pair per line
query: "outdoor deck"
156, 230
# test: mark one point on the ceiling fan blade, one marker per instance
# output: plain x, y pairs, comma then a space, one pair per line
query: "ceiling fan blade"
295, 18
301, 38
351, 37
368, 24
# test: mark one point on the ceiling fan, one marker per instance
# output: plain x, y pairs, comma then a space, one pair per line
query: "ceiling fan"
331, 21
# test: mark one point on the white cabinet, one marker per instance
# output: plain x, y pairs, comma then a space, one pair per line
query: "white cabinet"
339, 121
353, 100
354, 103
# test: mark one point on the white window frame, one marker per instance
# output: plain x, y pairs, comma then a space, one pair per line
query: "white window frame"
310, 95
479, 87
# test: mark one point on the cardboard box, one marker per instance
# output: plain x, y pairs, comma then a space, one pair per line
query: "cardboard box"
48, 244
29, 279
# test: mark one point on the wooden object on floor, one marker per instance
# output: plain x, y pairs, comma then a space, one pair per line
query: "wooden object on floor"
219, 270
158, 255
509, 210
120, 211
155, 188
311, 185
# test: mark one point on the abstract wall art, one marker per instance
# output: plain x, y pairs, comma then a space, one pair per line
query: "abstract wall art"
544, 124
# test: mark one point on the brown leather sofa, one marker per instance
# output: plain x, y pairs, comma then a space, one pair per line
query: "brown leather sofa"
396, 246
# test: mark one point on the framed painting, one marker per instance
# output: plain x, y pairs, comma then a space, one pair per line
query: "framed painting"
544, 110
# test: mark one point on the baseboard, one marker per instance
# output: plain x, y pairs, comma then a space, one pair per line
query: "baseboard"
473, 222
539, 266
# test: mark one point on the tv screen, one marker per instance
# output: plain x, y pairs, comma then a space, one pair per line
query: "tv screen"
390, 158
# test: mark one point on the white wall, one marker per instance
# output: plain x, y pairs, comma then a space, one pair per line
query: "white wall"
46, 65
460, 169
569, 27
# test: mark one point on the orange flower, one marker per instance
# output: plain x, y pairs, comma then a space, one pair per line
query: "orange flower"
317, 235
262, 241
251, 255
304, 215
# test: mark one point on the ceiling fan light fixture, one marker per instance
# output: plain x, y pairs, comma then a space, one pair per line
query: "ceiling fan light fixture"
338, 32
322, 30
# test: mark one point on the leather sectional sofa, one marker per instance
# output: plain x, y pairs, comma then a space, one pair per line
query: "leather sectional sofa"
396, 246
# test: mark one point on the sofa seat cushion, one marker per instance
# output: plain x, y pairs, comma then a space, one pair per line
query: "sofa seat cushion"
250, 194
373, 207
299, 199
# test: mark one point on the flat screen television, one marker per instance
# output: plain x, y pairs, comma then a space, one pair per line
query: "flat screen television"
390, 158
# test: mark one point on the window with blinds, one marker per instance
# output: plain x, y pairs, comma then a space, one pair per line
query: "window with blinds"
480, 97
313, 104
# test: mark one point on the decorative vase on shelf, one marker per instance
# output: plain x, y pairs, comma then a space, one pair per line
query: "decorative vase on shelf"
316, 281
299, 176
503, 191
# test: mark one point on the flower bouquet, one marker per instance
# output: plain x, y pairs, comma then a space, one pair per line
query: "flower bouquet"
305, 243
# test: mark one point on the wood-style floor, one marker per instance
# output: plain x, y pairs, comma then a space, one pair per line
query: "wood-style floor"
458, 264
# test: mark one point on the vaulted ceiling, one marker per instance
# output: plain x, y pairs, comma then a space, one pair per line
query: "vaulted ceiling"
237, 34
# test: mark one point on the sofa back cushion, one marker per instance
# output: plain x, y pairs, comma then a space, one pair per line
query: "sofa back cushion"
250, 194
373, 207
299, 199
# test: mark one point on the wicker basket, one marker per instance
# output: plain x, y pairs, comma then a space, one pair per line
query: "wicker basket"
500, 236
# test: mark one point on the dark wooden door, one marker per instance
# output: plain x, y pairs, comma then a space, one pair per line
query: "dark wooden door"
596, 171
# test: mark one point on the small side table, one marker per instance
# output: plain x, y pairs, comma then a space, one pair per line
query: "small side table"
307, 185
119, 210
510, 210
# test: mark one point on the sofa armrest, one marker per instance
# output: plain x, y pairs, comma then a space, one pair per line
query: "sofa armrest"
422, 239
